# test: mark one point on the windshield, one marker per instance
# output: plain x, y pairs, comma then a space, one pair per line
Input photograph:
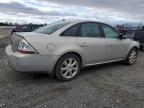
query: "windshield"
48, 29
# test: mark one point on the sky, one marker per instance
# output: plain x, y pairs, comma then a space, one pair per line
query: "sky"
47, 11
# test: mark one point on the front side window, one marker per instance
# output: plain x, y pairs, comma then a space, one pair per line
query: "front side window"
48, 29
90, 30
72, 31
110, 32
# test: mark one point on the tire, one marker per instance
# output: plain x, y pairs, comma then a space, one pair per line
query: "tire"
67, 67
132, 56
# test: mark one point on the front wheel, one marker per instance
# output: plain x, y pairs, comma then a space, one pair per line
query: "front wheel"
67, 67
132, 56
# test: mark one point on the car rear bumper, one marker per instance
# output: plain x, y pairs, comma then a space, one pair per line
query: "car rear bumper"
30, 62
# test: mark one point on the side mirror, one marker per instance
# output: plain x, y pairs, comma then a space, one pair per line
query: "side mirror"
121, 36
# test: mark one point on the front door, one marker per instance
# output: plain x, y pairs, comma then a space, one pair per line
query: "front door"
116, 48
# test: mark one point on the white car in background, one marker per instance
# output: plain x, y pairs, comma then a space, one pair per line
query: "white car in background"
64, 47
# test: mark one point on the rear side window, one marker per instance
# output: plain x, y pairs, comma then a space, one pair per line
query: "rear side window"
90, 30
72, 31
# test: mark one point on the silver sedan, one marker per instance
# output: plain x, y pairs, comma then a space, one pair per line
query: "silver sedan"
63, 48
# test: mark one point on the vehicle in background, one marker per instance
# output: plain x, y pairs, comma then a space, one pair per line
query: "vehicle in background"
123, 31
25, 28
63, 48
139, 36
136, 35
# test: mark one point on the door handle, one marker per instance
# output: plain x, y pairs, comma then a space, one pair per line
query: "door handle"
111, 45
83, 45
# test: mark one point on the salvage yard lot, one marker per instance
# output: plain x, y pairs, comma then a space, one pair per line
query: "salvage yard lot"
4, 31
105, 86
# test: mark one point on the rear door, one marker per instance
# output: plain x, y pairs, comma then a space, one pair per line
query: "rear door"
91, 42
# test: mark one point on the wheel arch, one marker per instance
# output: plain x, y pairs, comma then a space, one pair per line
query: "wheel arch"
52, 74
136, 47
71, 52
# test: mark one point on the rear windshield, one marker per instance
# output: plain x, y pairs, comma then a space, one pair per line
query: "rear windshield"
49, 29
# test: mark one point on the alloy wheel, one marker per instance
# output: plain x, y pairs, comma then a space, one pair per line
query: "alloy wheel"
69, 68
132, 56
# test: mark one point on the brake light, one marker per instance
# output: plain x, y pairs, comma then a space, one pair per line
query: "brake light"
25, 48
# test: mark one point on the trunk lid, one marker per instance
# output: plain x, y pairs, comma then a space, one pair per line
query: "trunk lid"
33, 38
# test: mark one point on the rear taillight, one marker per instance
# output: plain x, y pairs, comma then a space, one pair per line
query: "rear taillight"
25, 48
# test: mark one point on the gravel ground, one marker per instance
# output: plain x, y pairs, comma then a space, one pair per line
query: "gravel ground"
4, 32
105, 86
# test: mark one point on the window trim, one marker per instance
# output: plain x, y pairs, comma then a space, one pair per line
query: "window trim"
110, 27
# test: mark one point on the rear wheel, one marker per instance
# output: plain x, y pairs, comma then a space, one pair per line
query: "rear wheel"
132, 56
67, 67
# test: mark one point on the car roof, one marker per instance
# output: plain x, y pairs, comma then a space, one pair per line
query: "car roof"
79, 21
